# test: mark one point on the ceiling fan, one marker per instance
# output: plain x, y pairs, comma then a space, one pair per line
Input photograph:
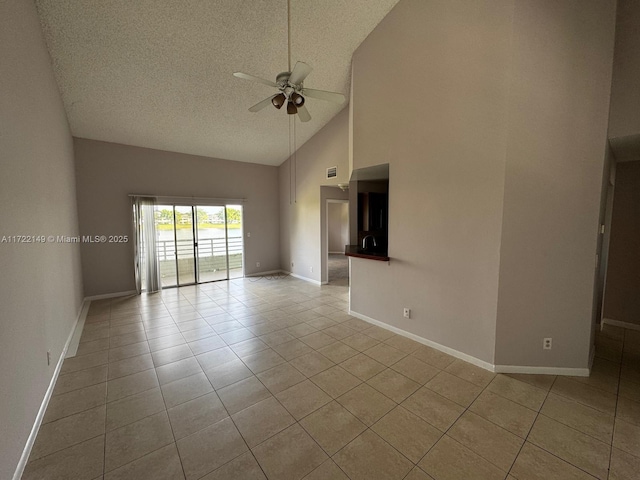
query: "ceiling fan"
291, 91
290, 85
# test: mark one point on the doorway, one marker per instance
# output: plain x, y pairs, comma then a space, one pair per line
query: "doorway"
197, 243
337, 228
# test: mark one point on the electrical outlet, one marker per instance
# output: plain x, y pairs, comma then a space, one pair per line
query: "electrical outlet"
311, 269
407, 313
291, 264
248, 234
257, 264
546, 344
48, 358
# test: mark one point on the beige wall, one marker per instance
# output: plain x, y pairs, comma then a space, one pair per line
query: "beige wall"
625, 94
429, 97
496, 139
338, 226
622, 295
41, 284
107, 173
301, 205
558, 114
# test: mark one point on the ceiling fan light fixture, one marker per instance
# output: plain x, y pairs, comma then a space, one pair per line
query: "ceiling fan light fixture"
297, 99
291, 108
278, 100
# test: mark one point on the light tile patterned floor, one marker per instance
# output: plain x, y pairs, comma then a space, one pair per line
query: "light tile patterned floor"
255, 379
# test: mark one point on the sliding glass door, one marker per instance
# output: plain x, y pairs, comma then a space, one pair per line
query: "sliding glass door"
234, 241
185, 245
198, 244
166, 245
212, 244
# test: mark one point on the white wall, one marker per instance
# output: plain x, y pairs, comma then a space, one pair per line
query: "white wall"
109, 172
41, 284
302, 207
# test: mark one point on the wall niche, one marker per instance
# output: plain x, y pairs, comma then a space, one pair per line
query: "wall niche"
369, 191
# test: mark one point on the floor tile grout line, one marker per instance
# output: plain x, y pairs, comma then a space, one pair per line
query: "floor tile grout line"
525, 439
565, 460
591, 386
230, 417
458, 418
273, 396
389, 366
173, 435
368, 427
106, 396
547, 451
65, 448
576, 429
104, 453
515, 459
615, 418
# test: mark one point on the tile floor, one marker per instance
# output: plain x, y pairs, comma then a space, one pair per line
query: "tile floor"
255, 379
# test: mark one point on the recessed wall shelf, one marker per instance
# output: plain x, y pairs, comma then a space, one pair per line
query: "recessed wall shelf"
369, 190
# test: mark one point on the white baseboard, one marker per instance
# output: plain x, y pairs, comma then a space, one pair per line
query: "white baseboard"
563, 371
306, 279
574, 372
262, 274
450, 351
26, 452
111, 295
618, 323
77, 331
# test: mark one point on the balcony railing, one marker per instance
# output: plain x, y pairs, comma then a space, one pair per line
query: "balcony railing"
212, 259
208, 247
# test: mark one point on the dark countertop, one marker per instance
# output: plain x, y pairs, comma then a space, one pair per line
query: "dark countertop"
357, 251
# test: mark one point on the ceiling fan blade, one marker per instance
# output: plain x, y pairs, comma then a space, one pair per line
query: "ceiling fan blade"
253, 78
323, 95
299, 73
264, 103
303, 114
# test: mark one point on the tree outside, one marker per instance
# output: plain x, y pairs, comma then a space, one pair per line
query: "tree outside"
164, 219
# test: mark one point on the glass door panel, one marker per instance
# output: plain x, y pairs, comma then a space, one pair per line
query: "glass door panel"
185, 245
165, 245
235, 248
192, 250
212, 240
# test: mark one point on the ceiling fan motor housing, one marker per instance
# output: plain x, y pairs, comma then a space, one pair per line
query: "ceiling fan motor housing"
291, 91
283, 78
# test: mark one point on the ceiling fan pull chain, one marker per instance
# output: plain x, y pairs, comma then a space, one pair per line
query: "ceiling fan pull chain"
290, 85
289, 34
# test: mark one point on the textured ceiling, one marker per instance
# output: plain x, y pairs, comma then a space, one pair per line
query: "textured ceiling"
158, 73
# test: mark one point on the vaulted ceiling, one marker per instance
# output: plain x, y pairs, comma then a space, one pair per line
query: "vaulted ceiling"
158, 73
